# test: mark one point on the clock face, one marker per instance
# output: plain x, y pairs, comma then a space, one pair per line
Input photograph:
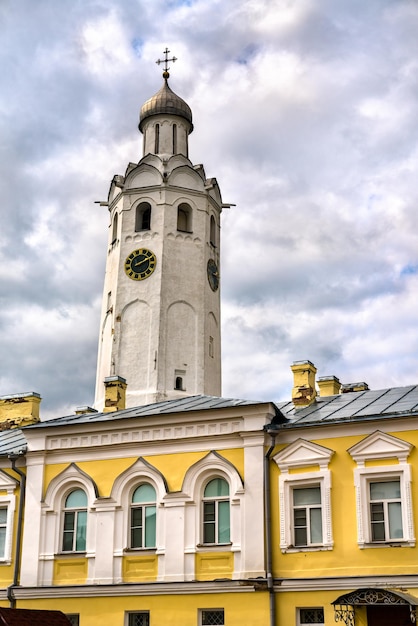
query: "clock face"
213, 275
140, 264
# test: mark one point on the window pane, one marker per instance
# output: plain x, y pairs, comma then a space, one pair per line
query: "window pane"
299, 520
136, 517
385, 491
307, 495
3, 515
80, 542
395, 520
316, 525
223, 522
378, 521
144, 493
209, 522
69, 521
2, 542
76, 499
150, 526
216, 487
67, 541
136, 538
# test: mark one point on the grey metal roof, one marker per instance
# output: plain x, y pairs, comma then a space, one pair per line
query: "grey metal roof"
190, 403
354, 406
12, 442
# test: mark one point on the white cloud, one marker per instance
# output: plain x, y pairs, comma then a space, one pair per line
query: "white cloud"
304, 111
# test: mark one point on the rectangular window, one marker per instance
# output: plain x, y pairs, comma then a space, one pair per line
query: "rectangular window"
311, 616
143, 537
138, 619
385, 510
307, 516
3, 528
212, 617
216, 522
74, 533
73, 618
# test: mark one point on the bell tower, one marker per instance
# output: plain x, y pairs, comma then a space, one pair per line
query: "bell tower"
160, 320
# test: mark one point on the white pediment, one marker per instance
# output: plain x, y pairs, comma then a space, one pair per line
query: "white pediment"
380, 445
7, 483
302, 453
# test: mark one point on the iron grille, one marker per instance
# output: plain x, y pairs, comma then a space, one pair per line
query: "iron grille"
213, 617
311, 616
74, 619
139, 619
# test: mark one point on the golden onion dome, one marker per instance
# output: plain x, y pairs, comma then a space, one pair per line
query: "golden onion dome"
165, 102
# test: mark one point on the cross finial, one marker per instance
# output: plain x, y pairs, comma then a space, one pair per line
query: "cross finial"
166, 61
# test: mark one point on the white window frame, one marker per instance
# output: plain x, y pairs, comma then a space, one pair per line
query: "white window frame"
307, 508
309, 608
376, 447
304, 454
215, 500
362, 479
8, 502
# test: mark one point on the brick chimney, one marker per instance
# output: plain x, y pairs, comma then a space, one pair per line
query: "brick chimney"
304, 391
19, 409
115, 394
329, 386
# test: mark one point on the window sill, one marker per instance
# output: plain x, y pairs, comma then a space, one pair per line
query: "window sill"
293, 549
211, 546
60, 555
139, 550
402, 543
188, 232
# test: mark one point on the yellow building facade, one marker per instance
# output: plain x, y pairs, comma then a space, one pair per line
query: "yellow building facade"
214, 511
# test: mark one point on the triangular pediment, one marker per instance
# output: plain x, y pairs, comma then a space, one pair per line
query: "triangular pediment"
7, 483
302, 453
380, 445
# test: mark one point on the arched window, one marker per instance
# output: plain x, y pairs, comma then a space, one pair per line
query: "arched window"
143, 517
184, 218
212, 231
157, 139
75, 522
216, 515
179, 383
174, 138
115, 228
143, 216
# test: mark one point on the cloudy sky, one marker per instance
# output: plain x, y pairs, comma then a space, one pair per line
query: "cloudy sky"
306, 112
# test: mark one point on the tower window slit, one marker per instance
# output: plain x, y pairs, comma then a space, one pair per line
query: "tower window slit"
157, 138
174, 138
179, 383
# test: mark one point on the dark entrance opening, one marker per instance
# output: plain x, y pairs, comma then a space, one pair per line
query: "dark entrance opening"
388, 616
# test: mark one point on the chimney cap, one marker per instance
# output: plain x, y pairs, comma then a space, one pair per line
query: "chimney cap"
354, 387
115, 379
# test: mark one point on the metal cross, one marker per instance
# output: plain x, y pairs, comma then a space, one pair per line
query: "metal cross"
166, 61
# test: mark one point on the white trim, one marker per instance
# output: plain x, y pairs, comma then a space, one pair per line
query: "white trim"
378, 446
299, 454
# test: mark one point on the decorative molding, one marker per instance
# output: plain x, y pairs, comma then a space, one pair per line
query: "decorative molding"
143, 435
303, 453
134, 590
378, 446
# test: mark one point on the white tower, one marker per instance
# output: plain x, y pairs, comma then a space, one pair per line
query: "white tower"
160, 321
